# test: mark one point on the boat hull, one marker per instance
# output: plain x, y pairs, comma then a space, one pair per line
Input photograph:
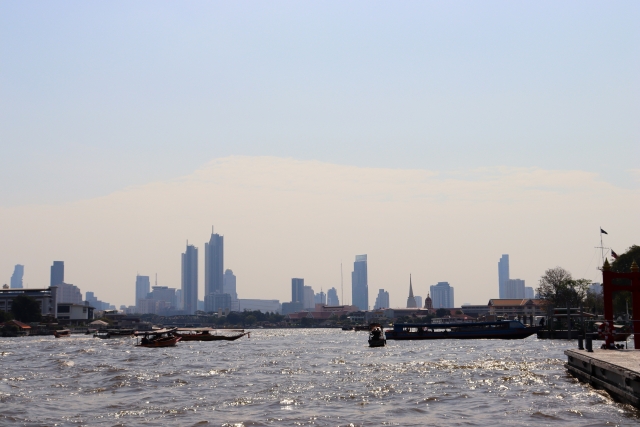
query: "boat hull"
208, 337
162, 342
377, 343
462, 335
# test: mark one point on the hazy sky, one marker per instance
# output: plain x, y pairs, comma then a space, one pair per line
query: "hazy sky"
433, 136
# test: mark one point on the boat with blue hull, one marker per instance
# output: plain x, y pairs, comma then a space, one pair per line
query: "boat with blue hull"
507, 329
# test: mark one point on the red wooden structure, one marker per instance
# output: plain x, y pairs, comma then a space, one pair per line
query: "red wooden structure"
616, 282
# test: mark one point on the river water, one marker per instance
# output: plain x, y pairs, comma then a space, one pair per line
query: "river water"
300, 377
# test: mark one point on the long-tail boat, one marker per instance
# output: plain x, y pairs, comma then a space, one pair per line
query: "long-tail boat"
157, 338
210, 334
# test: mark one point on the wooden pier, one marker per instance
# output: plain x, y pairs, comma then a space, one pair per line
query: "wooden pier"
616, 371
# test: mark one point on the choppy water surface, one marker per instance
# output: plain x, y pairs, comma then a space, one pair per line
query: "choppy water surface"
296, 377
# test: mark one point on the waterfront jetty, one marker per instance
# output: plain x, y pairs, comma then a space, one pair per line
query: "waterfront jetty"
616, 371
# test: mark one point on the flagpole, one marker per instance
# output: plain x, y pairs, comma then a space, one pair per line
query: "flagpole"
601, 249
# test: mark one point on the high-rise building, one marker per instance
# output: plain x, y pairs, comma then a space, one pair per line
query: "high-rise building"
143, 286
514, 289
68, 293
16, 277
503, 275
418, 299
360, 283
332, 297
308, 299
442, 295
190, 279
528, 292
57, 273
217, 301
320, 298
411, 301
297, 290
229, 284
214, 266
382, 300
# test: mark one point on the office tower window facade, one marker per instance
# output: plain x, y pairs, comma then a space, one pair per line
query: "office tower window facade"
332, 297
68, 293
442, 295
514, 289
503, 275
418, 299
382, 300
214, 265
528, 292
297, 290
57, 273
190, 279
308, 301
217, 302
16, 277
320, 298
360, 283
143, 286
229, 284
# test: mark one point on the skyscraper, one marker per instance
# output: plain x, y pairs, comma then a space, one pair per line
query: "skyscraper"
16, 277
411, 301
190, 279
320, 298
514, 289
503, 275
229, 284
528, 292
382, 300
214, 265
57, 273
442, 295
143, 286
297, 290
308, 299
332, 297
359, 283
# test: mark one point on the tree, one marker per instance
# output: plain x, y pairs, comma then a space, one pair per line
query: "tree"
558, 287
250, 319
553, 285
26, 309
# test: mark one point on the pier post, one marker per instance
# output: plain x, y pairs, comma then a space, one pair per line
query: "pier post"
589, 342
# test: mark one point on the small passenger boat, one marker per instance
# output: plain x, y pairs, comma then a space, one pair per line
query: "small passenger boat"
506, 329
62, 333
157, 338
210, 334
102, 334
376, 336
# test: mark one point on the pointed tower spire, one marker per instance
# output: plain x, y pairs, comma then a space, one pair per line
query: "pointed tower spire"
411, 301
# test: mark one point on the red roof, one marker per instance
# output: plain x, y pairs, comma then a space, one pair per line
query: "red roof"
18, 324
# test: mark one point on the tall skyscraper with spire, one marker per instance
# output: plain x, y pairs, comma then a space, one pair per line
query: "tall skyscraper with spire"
213, 268
411, 301
190, 279
503, 275
359, 283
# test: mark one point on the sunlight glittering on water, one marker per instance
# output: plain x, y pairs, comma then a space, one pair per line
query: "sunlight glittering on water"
315, 377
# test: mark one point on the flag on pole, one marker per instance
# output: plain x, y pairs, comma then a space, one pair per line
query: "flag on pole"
613, 254
603, 232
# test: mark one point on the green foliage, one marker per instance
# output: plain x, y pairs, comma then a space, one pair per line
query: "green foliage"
26, 309
5, 315
623, 263
558, 287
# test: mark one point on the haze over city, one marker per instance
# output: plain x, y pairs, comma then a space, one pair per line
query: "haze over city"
432, 137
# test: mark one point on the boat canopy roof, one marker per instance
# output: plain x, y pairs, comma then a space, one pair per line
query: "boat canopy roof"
400, 326
208, 330
155, 331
